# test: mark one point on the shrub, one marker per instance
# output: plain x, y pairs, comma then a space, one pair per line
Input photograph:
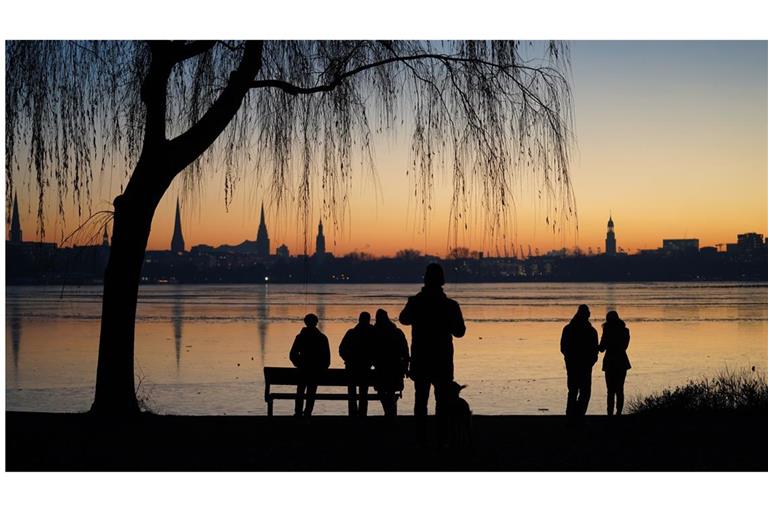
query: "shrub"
741, 391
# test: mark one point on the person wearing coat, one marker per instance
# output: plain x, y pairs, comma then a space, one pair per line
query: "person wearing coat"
435, 320
311, 354
614, 343
390, 361
355, 350
578, 344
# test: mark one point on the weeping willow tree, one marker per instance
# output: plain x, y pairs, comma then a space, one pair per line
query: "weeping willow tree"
485, 112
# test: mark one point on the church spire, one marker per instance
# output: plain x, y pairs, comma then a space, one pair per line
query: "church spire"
320, 240
610, 238
262, 237
177, 242
15, 222
105, 238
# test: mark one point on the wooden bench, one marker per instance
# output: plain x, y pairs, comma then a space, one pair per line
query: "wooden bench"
332, 377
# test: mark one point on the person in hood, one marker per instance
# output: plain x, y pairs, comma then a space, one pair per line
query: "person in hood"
390, 361
578, 344
355, 350
614, 343
311, 354
435, 320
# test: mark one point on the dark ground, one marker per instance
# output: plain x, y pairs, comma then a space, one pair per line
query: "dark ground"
74, 442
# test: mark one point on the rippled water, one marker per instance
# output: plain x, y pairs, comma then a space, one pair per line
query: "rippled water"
201, 349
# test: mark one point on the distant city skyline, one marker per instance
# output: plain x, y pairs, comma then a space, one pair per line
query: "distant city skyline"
671, 143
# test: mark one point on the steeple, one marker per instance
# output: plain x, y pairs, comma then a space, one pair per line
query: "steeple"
15, 223
105, 238
320, 240
610, 238
262, 237
177, 242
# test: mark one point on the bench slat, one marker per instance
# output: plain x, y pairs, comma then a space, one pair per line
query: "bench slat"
320, 396
331, 377
274, 376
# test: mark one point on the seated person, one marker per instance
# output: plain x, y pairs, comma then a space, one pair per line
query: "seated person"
311, 354
390, 361
355, 350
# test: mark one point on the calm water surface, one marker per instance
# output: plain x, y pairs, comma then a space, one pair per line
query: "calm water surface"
201, 349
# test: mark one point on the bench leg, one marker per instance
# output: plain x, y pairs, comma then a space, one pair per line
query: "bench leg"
269, 408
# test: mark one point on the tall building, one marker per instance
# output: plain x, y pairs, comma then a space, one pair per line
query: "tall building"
748, 244
320, 240
177, 242
15, 223
262, 237
610, 239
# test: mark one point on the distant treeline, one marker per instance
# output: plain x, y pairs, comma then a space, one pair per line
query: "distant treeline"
84, 265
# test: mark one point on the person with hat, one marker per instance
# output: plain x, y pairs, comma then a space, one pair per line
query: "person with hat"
435, 320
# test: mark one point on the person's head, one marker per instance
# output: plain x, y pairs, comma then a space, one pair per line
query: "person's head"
382, 318
582, 313
434, 276
364, 318
612, 318
311, 320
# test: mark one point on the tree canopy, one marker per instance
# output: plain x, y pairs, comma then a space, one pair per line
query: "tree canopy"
489, 113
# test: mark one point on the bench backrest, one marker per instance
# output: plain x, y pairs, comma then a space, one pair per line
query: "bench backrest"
291, 376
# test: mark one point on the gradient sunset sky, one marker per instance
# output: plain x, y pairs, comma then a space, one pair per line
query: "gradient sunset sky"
671, 139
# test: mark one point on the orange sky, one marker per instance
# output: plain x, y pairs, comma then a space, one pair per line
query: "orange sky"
671, 138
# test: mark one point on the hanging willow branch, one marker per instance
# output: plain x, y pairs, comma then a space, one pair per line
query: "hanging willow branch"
490, 113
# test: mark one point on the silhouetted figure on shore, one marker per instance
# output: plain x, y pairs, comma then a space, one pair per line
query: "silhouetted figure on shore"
435, 319
578, 345
311, 354
356, 352
614, 343
390, 361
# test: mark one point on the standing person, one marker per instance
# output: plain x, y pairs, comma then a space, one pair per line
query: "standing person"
355, 350
435, 319
311, 354
578, 345
390, 361
614, 343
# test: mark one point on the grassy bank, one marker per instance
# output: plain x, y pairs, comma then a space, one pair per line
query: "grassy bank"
743, 391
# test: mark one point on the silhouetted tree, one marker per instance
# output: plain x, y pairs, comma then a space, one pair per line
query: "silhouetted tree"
408, 254
459, 253
488, 111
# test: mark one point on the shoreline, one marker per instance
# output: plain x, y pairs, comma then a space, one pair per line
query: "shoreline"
148, 442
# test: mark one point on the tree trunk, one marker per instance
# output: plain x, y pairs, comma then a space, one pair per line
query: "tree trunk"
115, 391
161, 160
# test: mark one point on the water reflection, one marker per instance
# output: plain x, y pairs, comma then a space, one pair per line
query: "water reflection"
262, 316
320, 295
15, 316
507, 358
610, 298
177, 319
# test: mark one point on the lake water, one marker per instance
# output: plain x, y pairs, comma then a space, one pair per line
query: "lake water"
201, 349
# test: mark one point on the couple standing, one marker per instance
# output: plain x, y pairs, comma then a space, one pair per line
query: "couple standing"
434, 319
580, 347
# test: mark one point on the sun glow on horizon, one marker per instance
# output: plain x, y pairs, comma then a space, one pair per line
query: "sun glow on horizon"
671, 139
